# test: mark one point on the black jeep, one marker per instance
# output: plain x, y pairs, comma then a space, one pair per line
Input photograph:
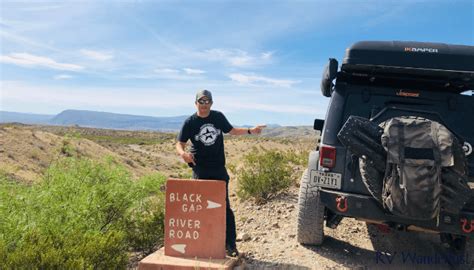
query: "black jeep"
396, 144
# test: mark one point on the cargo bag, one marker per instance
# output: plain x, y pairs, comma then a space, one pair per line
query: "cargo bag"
417, 150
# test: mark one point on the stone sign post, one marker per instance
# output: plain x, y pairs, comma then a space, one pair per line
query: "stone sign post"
195, 218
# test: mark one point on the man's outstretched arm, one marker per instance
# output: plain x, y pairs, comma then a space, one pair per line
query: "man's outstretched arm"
244, 131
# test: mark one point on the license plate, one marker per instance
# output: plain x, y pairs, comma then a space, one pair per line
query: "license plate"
326, 179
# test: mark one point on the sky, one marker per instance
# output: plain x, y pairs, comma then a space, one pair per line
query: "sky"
262, 60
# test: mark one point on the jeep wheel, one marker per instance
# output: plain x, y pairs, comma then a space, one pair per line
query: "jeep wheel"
310, 228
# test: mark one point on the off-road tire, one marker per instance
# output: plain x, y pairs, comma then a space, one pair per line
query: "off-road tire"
310, 227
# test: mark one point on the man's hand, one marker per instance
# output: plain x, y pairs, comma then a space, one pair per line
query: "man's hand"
188, 158
257, 129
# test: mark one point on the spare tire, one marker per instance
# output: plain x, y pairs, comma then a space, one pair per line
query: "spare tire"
372, 179
455, 191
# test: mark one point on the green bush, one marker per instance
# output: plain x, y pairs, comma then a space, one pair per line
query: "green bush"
263, 174
82, 215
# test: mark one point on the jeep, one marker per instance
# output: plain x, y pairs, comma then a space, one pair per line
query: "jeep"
396, 142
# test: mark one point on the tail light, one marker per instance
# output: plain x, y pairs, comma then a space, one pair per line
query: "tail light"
327, 156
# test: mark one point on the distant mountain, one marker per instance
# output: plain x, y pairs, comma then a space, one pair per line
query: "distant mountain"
25, 118
97, 120
268, 126
117, 121
94, 119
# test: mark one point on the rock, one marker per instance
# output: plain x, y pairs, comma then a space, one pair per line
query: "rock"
276, 225
243, 237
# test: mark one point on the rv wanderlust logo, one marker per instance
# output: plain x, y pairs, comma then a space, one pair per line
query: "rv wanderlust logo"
422, 50
414, 258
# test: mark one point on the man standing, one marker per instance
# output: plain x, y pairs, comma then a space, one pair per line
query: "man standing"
206, 129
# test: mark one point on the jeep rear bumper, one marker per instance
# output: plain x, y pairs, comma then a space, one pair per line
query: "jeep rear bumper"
366, 207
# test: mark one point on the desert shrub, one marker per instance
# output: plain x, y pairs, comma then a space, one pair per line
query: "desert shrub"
66, 148
263, 174
83, 215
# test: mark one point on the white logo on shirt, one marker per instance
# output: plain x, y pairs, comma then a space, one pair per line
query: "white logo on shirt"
208, 134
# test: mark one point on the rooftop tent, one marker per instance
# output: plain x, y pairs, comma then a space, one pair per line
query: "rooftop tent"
441, 66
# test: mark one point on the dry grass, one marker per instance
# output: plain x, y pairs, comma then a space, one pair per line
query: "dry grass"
26, 151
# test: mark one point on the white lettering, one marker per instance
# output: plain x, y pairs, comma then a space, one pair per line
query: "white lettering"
191, 208
184, 223
430, 50
179, 234
193, 197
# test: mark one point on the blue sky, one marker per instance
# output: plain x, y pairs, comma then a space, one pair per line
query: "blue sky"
262, 60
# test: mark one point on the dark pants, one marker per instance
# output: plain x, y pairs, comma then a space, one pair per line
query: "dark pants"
220, 173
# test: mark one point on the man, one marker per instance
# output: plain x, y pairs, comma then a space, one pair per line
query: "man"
206, 129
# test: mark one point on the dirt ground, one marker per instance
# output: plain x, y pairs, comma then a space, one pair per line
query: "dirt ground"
272, 244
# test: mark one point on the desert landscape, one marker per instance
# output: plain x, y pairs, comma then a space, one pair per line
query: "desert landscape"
266, 231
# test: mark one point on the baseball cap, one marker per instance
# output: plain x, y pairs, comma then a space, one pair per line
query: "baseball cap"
203, 93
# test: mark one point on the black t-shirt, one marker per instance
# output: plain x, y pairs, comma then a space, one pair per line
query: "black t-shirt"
207, 138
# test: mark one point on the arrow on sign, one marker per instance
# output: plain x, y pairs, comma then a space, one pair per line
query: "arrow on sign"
211, 204
179, 247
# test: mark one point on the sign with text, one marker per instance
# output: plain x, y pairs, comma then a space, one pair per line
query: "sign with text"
195, 218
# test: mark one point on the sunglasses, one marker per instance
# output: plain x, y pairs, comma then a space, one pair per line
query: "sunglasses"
204, 101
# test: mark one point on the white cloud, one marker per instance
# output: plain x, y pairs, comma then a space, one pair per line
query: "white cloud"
166, 71
29, 60
23, 41
276, 108
63, 77
253, 79
171, 74
191, 71
236, 58
45, 7
266, 55
96, 55
241, 61
85, 97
